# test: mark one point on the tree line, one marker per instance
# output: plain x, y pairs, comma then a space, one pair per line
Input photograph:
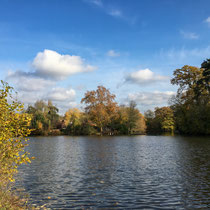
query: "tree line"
101, 116
188, 113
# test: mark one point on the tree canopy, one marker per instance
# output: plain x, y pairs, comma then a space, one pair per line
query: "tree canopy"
100, 107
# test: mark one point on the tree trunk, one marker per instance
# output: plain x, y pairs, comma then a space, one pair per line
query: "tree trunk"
101, 130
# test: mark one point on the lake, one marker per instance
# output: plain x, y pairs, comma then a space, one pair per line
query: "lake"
128, 172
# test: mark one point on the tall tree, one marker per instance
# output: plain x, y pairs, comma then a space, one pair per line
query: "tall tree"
164, 116
150, 123
160, 121
135, 121
52, 115
100, 107
206, 73
186, 78
203, 84
44, 117
192, 103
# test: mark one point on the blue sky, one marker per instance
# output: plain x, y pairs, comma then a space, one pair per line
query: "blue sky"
59, 49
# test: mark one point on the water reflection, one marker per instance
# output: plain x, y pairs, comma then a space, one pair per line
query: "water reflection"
150, 172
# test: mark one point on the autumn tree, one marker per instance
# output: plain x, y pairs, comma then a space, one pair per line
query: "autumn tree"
140, 125
14, 127
73, 120
100, 107
160, 121
119, 124
192, 103
164, 117
186, 78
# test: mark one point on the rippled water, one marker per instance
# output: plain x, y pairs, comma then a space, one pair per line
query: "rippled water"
140, 172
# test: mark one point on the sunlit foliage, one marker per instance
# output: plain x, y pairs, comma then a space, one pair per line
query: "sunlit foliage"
100, 107
192, 103
13, 130
160, 121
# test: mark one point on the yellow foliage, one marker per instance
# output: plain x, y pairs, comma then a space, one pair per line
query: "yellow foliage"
40, 126
13, 130
72, 115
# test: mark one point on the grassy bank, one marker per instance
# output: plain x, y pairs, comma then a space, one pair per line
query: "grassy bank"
10, 199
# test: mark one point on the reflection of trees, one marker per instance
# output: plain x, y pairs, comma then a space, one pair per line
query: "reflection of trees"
99, 160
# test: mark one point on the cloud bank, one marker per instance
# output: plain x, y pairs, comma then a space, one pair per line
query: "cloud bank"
150, 100
28, 82
61, 94
145, 76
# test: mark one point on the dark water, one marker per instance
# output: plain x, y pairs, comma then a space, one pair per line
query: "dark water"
141, 172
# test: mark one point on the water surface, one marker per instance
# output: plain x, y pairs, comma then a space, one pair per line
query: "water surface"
140, 172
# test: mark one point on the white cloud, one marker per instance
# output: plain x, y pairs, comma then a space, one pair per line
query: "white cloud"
27, 82
63, 98
98, 3
208, 20
189, 35
29, 99
145, 76
53, 65
61, 94
150, 100
118, 13
112, 53
115, 13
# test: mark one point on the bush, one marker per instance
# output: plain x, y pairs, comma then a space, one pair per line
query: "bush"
14, 127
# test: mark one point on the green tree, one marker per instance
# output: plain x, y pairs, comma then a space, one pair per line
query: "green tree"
128, 120
52, 115
150, 123
135, 120
44, 117
206, 74
202, 89
192, 103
